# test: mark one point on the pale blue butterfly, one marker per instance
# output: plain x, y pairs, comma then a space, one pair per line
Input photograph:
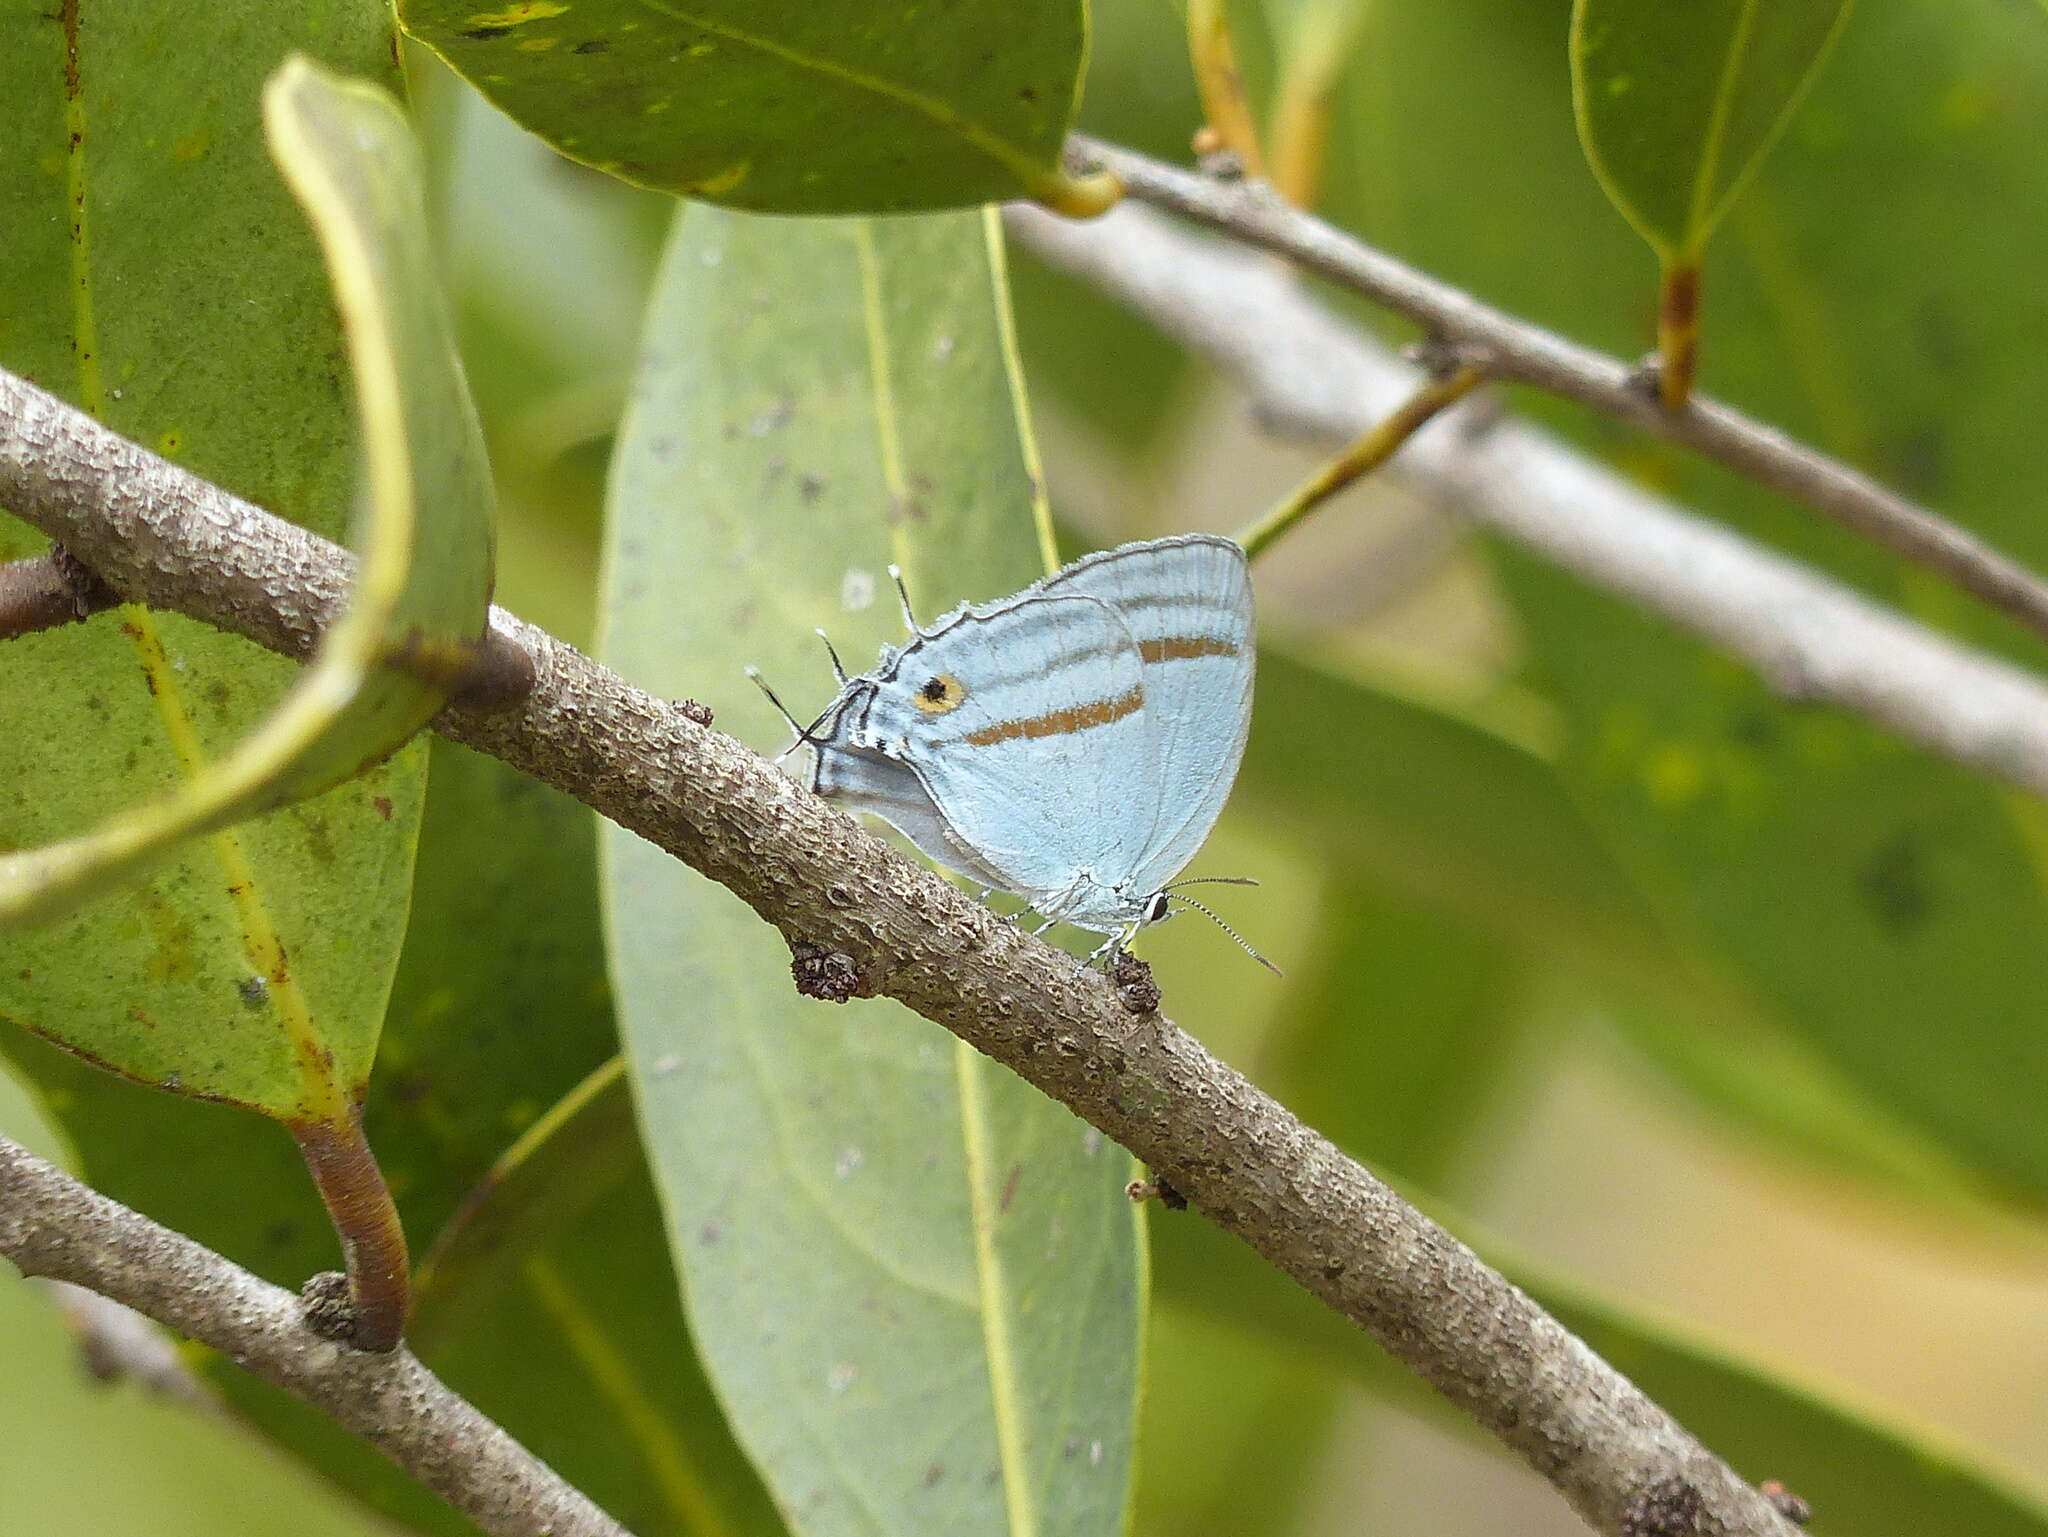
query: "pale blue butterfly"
1073, 743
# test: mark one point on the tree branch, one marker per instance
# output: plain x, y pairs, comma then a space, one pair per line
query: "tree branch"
51, 1225
1312, 375
162, 536
1516, 350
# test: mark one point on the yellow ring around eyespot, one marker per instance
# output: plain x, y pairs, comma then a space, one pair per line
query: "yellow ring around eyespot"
940, 694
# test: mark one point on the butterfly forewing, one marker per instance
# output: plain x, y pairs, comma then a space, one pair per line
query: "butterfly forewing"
1029, 734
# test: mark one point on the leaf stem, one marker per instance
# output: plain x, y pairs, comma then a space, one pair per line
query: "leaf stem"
372, 1239
1372, 449
1678, 332
1221, 84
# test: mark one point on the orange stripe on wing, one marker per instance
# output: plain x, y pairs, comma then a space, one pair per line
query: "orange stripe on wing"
1059, 722
1176, 648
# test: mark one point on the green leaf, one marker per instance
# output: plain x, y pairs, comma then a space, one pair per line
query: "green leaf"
422, 592
499, 1009
1677, 104
562, 1249
182, 300
820, 108
1866, 1473
913, 1279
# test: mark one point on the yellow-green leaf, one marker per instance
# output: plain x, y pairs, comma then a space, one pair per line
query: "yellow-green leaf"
159, 275
914, 1280
832, 106
422, 590
1677, 104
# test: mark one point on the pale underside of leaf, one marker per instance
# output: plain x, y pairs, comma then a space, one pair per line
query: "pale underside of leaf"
823, 400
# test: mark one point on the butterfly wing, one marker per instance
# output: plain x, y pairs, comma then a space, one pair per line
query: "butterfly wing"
889, 789
1187, 602
1026, 723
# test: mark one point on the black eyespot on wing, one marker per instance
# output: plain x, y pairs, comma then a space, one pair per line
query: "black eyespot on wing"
941, 693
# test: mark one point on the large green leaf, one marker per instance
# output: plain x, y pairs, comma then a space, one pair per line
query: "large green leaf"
421, 596
1678, 103
163, 279
913, 1279
1884, 908
820, 108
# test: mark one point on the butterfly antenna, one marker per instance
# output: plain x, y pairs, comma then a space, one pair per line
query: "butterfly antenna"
802, 735
1211, 880
838, 671
1241, 944
903, 595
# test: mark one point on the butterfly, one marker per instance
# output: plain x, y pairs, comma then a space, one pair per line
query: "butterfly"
1073, 743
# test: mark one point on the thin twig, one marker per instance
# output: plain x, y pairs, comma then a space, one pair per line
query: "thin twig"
1518, 351
118, 1344
51, 1225
1309, 374
161, 535
1375, 446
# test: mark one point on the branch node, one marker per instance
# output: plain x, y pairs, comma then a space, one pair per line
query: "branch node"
691, 710
1156, 1189
1215, 159
820, 972
500, 675
1135, 987
88, 593
327, 1309
1671, 1507
1785, 1502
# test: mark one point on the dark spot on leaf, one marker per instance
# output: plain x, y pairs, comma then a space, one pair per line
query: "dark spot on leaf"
1010, 1183
1898, 884
485, 34
592, 45
255, 992
811, 487
932, 1474
1027, 93
382, 803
